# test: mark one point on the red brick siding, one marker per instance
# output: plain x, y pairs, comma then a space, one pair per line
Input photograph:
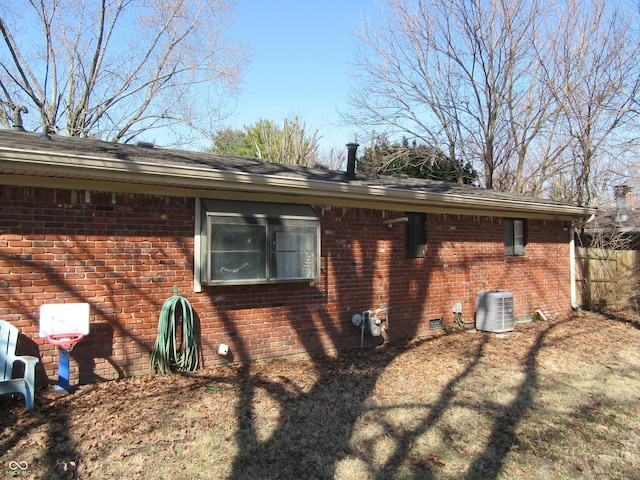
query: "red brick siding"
123, 253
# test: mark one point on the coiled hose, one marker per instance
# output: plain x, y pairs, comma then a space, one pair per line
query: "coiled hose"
166, 356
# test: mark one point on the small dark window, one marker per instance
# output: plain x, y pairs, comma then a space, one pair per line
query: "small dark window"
514, 236
415, 235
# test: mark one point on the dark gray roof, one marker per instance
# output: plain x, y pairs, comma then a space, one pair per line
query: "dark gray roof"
616, 220
184, 163
166, 156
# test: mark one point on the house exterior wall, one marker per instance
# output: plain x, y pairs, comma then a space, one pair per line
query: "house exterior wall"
124, 253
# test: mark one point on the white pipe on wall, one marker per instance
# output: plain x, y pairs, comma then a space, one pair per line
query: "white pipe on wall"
395, 220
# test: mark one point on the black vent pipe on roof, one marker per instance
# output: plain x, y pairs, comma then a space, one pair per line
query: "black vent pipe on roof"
18, 110
351, 160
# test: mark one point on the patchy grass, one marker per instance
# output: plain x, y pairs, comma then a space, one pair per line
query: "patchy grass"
551, 400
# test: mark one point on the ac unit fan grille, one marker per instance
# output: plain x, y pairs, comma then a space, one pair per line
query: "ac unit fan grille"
494, 311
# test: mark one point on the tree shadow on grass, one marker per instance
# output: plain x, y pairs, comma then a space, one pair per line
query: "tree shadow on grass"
503, 437
635, 323
60, 461
445, 399
314, 423
314, 426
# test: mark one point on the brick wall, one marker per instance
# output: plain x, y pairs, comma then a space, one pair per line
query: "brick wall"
124, 253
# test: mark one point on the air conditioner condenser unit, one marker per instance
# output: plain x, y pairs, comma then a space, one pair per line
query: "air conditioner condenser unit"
494, 311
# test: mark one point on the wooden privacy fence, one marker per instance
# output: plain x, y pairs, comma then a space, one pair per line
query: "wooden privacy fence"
607, 278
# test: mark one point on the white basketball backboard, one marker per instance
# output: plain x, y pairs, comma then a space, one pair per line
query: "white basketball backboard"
64, 318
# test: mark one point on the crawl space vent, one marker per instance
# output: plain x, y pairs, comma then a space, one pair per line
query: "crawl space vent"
435, 324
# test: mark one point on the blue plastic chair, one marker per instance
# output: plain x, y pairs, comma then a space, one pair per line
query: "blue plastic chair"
8, 384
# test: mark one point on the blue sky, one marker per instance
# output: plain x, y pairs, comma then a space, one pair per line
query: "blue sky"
302, 55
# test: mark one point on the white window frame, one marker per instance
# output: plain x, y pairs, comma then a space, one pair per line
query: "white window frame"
299, 221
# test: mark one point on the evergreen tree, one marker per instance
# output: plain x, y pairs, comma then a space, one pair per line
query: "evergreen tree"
415, 161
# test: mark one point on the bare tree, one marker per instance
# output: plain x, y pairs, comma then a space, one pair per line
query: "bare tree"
592, 69
442, 71
334, 159
503, 85
114, 69
532, 117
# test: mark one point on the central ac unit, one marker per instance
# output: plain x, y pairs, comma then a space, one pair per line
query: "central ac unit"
494, 311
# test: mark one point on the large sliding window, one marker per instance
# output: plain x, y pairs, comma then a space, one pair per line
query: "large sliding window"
246, 242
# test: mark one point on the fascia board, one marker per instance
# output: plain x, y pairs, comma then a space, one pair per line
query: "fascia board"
611, 230
89, 168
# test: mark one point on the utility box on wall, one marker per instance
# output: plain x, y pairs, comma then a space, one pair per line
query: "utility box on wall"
494, 311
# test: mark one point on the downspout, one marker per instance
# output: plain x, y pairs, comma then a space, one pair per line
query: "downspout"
572, 257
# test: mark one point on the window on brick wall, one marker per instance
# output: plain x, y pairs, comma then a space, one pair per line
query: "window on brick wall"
514, 236
414, 235
247, 242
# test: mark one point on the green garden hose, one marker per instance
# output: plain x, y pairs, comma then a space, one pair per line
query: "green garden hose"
166, 355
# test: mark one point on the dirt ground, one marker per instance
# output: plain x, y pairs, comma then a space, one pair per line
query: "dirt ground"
321, 417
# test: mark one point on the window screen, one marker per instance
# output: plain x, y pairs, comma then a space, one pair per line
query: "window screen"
295, 252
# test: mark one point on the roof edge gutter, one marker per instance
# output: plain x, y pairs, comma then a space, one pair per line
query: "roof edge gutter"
32, 163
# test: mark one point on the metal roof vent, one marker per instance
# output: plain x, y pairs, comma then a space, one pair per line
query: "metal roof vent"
351, 160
